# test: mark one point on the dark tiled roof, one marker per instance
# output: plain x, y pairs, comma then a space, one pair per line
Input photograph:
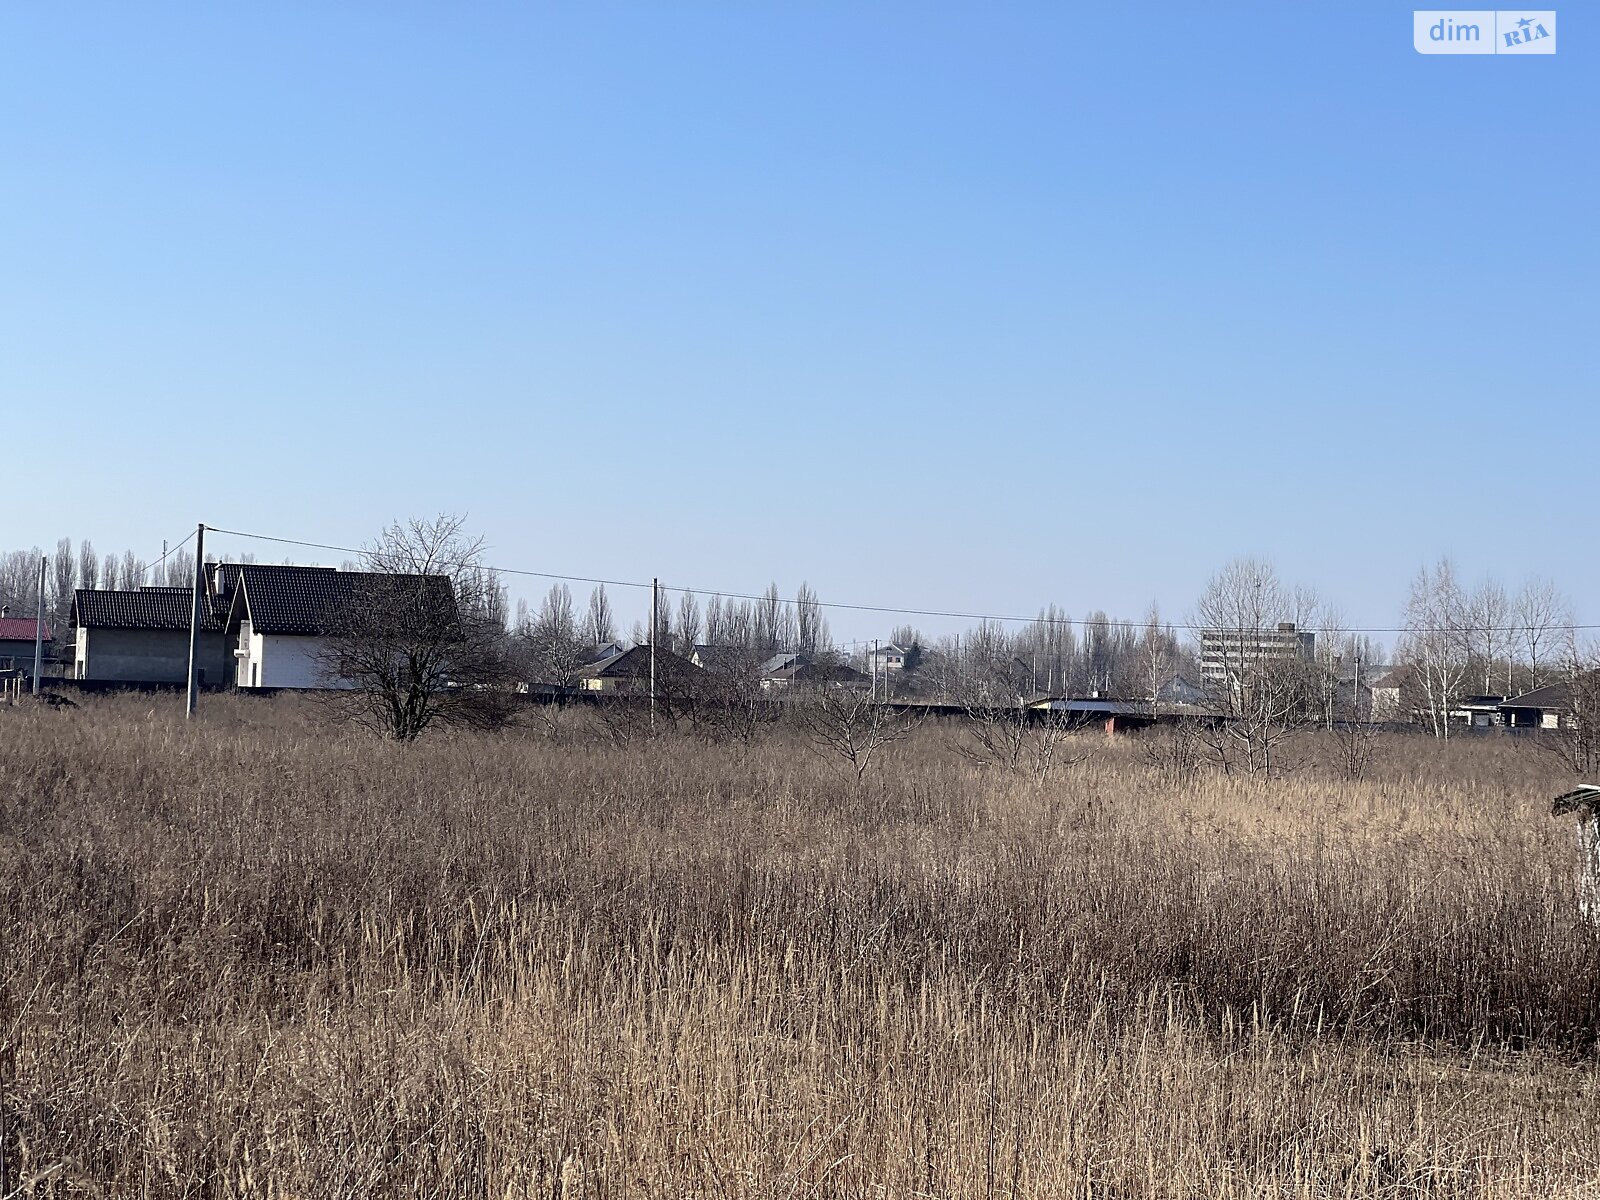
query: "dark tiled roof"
635, 664
311, 600
21, 629
145, 608
1551, 695
813, 672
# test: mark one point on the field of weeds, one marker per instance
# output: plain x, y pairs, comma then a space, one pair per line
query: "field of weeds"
253, 956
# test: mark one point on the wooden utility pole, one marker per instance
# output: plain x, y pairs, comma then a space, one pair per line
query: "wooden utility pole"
655, 610
38, 631
194, 618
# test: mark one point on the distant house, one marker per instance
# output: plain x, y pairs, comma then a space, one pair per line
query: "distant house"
801, 671
141, 635
628, 673
1478, 712
1547, 707
892, 657
602, 653
284, 623
721, 660
18, 636
783, 660
1181, 690
1393, 694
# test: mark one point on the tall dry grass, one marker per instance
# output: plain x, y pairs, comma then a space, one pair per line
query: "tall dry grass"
254, 958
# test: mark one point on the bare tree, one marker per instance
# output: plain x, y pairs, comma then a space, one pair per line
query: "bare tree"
1491, 614
63, 578
602, 624
1157, 657
774, 623
810, 627
731, 705
1003, 731
715, 630
111, 573
1258, 681
1438, 641
1542, 616
688, 622
849, 725
178, 570
19, 580
417, 637
552, 643
1576, 740
88, 566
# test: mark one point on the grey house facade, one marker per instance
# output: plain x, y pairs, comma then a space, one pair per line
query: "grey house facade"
142, 635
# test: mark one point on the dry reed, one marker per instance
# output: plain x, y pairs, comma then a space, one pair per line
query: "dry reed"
253, 958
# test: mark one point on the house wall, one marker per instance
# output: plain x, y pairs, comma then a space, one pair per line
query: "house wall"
290, 661
22, 652
148, 655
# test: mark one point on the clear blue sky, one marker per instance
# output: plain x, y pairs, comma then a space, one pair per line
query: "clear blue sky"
977, 307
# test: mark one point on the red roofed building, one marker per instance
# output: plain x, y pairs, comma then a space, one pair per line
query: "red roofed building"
16, 644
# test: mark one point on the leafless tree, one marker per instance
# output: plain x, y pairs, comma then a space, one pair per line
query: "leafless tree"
111, 572
19, 580
810, 627
1260, 692
773, 622
1542, 616
849, 725
730, 703
1438, 641
602, 626
63, 578
1576, 741
552, 644
88, 566
417, 636
1002, 731
1492, 630
178, 570
1157, 657
715, 630
688, 622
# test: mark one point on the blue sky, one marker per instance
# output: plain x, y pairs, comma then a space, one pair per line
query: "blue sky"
975, 307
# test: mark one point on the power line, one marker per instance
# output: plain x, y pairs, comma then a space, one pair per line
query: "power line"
168, 554
840, 606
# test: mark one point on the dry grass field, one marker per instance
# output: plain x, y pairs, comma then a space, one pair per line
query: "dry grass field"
258, 957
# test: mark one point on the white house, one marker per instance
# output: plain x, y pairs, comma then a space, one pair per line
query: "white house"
285, 622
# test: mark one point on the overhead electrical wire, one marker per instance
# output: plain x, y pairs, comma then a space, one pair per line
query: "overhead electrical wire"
949, 614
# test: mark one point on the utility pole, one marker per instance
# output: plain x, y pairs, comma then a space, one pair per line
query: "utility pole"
38, 632
194, 619
874, 670
655, 609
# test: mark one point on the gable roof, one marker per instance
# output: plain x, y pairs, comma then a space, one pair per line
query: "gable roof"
815, 672
720, 658
21, 629
783, 660
635, 664
140, 608
309, 601
1551, 695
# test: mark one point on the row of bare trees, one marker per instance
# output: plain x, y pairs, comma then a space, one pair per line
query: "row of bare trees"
67, 569
1483, 640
